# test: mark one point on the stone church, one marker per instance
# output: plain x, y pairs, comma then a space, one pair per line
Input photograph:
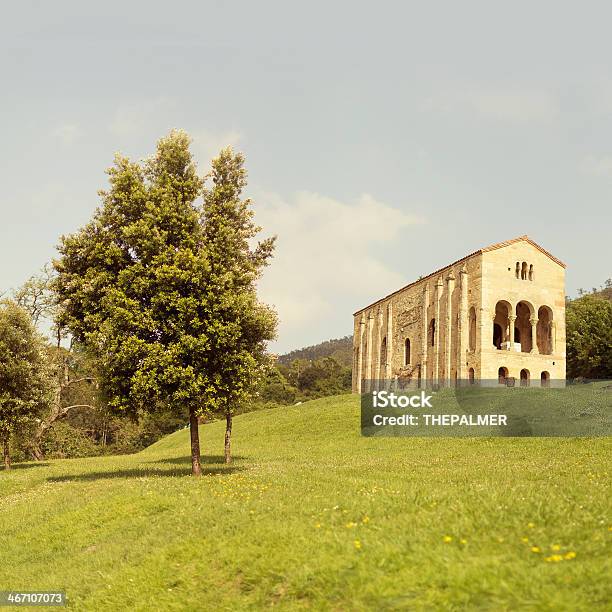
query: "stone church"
497, 314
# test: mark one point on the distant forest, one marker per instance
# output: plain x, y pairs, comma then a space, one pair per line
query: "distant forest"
340, 349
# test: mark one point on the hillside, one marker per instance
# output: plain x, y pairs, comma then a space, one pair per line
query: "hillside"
314, 516
340, 349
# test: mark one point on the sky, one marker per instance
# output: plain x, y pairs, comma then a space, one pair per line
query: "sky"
383, 140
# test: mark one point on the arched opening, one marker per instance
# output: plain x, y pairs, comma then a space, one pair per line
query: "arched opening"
518, 270
431, 332
524, 312
531, 272
544, 330
383, 352
524, 377
501, 325
407, 351
502, 375
545, 379
497, 336
471, 376
472, 334
524, 271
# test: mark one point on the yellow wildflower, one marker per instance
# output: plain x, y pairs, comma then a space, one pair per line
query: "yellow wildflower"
447, 538
555, 547
570, 555
463, 541
525, 539
535, 549
351, 525
357, 544
530, 525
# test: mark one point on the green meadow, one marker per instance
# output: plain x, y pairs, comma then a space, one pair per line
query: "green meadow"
311, 515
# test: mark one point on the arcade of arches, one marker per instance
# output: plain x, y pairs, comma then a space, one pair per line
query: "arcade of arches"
515, 328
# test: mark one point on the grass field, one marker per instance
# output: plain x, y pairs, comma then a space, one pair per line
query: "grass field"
313, 516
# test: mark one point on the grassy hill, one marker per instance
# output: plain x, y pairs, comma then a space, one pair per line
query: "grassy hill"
314, 516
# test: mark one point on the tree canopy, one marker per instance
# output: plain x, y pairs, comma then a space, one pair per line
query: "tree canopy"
162, 287
24, 375
589, 337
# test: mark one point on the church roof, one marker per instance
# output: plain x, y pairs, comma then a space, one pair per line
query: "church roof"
492, 247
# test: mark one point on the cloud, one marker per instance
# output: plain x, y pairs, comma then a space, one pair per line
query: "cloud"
511, 105
67, 133
328, 256
597, 166
207, 143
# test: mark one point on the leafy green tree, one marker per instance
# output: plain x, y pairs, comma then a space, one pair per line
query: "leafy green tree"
275, 389
70, 369
24, 376
240, 324
589, 337
146, 286
73, 387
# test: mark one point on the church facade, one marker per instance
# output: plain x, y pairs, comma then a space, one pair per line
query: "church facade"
497, 314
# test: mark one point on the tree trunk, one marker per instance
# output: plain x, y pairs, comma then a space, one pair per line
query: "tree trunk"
57, 413
7, 454
36, 452
228, 436
196, 467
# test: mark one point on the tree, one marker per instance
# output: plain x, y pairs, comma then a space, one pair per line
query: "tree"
66, 372
24, 376
241, 325
36, 296
142, 288
589, 337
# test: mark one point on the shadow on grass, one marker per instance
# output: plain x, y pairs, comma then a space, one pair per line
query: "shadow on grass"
143, 473
204, 459
25, 466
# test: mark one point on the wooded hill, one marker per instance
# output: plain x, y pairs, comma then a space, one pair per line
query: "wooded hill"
340, 349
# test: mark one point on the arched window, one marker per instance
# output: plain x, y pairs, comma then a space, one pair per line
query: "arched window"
407, 351
366, 374
524, 271
531, 272
383, 352
501, 323
502, 375
431, 332
524, 378
545, 379
544, 330
518, 270
472, 330
471, 376
524, 312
